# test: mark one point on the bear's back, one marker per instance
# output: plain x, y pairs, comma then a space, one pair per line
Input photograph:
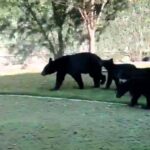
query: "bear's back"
142, 72
124, 70
125, 67
140, 85
83, 62
78, 63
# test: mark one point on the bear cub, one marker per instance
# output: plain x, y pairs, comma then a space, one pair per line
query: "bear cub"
117, 71
136, 87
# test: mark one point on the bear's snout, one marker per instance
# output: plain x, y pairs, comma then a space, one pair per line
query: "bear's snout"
43, 73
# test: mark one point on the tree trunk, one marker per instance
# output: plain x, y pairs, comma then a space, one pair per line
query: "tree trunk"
60, 48
91, 28
91, 36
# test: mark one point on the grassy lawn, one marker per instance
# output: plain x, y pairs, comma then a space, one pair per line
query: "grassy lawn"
46, 123
35, 84
30, 123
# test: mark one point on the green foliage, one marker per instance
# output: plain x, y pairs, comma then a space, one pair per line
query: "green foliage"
59, 12
58, 26
129, 33
41, 22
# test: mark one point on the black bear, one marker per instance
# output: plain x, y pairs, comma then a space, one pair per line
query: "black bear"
136, 87
117, 71
75, 65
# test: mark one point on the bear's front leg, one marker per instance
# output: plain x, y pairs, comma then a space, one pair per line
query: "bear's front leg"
134, 100
78, 79
116, 81
59, 79
109, 81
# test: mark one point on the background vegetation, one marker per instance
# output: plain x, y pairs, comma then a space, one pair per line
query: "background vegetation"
30, 25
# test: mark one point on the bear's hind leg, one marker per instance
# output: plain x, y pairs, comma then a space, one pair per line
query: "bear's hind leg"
96, 79
109, 80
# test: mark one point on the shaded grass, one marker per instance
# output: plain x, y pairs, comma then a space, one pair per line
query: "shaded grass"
35, 84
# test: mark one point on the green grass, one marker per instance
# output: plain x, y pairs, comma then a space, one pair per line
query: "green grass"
30, 123
45, 123
35, 84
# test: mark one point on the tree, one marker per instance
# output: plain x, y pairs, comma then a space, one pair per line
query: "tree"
96, 15
91, 18
128, 36
47, 23
53, 23
39, 23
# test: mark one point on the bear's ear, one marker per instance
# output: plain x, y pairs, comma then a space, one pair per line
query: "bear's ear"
111, 60
50, 60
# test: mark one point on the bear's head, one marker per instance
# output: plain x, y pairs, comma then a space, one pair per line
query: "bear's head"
49, 68
108, 64
122, 88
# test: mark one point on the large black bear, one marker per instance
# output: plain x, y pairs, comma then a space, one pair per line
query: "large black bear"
136, 87
117, 71
75, 65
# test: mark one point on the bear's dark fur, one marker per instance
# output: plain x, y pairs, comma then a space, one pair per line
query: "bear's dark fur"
136, 87
75, 65
141, 73
117, 71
